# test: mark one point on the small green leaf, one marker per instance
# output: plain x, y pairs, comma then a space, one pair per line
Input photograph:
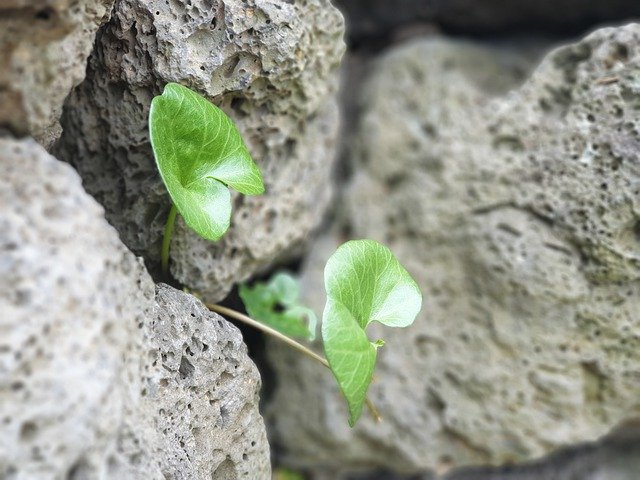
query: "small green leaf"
364, 283
199, 153
287, 474
275, 304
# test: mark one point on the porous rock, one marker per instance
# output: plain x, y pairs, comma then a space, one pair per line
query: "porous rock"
518, 215
198, 412
71, 298
44, 47
270, 65
96, 379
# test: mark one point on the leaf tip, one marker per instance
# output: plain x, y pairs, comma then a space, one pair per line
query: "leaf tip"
353, 419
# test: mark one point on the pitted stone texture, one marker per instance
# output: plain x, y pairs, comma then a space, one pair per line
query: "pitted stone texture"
198, 415
71, 298
518, 215
44, 47
270, 65
370, 18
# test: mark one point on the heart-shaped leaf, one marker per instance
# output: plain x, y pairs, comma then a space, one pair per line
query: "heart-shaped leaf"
275, 304
364, 283
199, 153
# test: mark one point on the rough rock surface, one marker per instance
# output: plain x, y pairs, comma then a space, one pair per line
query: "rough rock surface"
97, 380
367, 18
198, 414
518, 215
270, 65
71, 297
44, 47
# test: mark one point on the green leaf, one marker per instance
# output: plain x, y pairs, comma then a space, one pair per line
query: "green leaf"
275, 304
287, 474
199, 153
364, 283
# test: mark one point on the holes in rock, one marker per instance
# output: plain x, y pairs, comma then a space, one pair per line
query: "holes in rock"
79, 471
28, 431
270, 220
186, 368
636, 231
224, 415
621, 52
435, 401
237, 103
15, 386
226, 470
394, 181
508, 142
429, 129
45, 14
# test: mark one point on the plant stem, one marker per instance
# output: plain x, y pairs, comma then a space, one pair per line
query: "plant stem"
268, 330
289, 341
166, 239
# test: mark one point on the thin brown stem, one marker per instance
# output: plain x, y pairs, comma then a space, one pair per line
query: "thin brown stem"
268, 330
289, 341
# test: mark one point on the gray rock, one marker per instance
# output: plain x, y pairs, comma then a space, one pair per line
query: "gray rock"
71, 298
198, 415
373, 18
97, 380
270, 65
518, 215
44, 47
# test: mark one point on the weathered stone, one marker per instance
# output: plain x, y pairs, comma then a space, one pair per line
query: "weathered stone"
198, 414
97, 380
371, 18
518, 215
270, 65
71, 298
44, 47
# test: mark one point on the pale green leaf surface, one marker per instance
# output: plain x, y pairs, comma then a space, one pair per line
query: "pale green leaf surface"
364, 283
199, 153
351, 355
275, 304
286, 288
366, 277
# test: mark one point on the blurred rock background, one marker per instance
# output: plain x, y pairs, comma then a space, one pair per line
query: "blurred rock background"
494, 145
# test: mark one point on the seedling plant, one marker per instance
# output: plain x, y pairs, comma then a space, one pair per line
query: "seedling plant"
200, 155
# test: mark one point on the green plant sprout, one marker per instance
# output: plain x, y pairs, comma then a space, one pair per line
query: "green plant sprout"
276, 304
200, 153
364, 283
